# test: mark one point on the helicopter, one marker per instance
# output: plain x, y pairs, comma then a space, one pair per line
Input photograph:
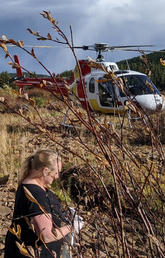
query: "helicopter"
90, 86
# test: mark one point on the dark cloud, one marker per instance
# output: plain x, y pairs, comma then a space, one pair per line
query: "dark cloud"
111, 21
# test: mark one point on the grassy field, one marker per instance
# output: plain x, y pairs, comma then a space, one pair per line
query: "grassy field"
112, 173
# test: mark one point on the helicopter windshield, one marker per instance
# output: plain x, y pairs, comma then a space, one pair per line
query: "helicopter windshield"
138, 85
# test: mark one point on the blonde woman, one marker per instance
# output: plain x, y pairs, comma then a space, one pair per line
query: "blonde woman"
39, 171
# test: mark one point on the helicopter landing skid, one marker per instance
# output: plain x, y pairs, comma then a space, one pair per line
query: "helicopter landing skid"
131, 118
69, 127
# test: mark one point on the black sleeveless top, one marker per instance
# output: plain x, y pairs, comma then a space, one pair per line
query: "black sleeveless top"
24, 210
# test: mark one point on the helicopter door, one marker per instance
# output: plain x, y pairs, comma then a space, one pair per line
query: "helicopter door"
92, 93
106, 93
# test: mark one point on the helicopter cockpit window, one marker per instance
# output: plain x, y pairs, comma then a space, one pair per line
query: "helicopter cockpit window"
113, 67
92, 85
138, 85
106, 93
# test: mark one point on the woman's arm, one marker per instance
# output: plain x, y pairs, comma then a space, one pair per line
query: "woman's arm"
43, 225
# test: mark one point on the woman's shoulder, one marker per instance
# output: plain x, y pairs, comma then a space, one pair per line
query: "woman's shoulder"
32, 183
34, 189
36, 192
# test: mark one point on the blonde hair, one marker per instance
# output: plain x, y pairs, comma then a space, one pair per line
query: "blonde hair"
37, 161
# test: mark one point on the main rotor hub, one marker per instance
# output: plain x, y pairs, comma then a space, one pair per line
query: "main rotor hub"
101, 47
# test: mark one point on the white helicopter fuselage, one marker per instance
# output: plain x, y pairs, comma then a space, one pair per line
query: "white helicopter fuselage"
109, 97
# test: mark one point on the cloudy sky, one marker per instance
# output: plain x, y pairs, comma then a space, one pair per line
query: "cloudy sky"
122, 22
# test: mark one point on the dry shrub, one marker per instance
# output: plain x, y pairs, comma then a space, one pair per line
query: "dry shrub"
35, 92
114, 183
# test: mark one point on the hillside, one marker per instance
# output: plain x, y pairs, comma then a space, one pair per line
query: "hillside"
157, 70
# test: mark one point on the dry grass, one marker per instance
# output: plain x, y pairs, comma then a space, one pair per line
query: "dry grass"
11, 147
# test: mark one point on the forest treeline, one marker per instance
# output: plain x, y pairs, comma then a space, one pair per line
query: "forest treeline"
135, 64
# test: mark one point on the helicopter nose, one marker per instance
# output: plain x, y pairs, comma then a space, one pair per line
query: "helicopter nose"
151, 102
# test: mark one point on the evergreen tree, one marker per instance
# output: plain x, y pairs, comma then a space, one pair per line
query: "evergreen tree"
4, 79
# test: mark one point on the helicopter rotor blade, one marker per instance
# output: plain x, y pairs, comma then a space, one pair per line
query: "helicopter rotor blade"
97, 47
31, 46
142, 50
103, 47
100, 47
84, 47
128, 46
